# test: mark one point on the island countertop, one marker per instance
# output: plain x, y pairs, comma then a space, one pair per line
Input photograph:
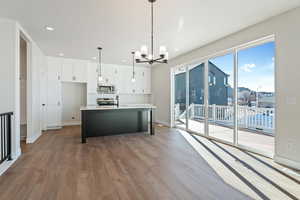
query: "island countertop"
121, 107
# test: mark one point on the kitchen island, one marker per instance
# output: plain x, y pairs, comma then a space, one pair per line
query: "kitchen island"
115, 120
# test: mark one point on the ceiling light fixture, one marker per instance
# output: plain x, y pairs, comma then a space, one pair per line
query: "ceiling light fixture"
61, 54
143, 56
100, 66
133, 72
49, 28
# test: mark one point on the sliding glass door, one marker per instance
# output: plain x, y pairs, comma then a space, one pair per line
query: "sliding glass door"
196, 111
220, 98
230, 97
179, 80
256, 97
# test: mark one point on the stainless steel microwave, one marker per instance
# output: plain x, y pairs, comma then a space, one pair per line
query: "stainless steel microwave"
106, 89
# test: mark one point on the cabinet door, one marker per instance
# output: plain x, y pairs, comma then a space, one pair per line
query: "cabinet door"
80, 71
139, 84
122, 80
54, 92
67, 70
108, 74
147, 80
92, 78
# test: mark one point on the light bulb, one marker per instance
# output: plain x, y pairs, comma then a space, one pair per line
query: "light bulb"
162, 50
144, 50
166, 56
150, 57
100, 78
137, 55
133, 79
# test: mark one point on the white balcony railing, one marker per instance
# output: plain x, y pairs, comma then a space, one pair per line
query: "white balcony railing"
262, 119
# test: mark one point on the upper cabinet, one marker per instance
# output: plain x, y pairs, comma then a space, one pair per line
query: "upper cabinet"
74, 70
142, 84
83, 71
92, 78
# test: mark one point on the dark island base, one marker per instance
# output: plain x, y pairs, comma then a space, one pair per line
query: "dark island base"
114, 122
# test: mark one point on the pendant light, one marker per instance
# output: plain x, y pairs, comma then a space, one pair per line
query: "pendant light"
100, 78
143, 56
133, 72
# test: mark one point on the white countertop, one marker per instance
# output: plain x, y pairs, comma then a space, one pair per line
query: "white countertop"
127, 106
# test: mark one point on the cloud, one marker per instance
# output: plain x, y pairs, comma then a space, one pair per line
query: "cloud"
248, 67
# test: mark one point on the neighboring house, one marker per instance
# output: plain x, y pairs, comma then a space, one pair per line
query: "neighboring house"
218, 86
266, 100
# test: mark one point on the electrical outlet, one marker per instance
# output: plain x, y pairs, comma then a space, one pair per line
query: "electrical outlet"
73, 117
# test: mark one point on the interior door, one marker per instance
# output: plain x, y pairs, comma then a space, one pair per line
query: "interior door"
54, 93
43, 93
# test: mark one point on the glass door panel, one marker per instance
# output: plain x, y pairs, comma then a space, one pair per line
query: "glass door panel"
196, 118
256, 98
220, 98
180, 97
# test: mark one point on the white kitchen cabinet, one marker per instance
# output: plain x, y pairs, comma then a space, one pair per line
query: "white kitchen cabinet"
54, 92
109, 74
147, 84
92, 78
122, 80
67, 70
80, 71
142, 84
74, 70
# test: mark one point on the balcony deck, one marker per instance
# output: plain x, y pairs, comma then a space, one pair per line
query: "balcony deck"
249, 138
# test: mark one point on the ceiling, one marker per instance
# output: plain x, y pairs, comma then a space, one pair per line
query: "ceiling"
121, 26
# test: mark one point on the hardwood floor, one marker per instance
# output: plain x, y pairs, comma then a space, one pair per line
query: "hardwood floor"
135, 166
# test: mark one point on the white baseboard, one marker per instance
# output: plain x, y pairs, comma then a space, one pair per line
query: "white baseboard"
287, 162
33, 138
163, 123
71, 123
53, 127
7, 164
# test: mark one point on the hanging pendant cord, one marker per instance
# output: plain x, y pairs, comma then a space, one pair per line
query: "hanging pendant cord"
133, 76
100, 58
152, 51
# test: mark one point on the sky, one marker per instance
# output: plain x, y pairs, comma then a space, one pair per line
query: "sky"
256, 69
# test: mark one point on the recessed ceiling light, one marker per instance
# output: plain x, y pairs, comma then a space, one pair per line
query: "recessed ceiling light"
94, 58
49, 28
176, 49
124, 61
61, 54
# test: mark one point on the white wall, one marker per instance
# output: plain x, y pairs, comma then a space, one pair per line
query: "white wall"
73, 97
286, 28
10, 32
9, 73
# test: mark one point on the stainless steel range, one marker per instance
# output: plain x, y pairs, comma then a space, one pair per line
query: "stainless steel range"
108, 101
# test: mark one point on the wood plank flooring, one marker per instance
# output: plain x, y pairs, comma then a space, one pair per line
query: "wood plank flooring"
135, 166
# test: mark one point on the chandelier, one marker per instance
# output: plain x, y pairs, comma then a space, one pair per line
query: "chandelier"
143, 56
100, 79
